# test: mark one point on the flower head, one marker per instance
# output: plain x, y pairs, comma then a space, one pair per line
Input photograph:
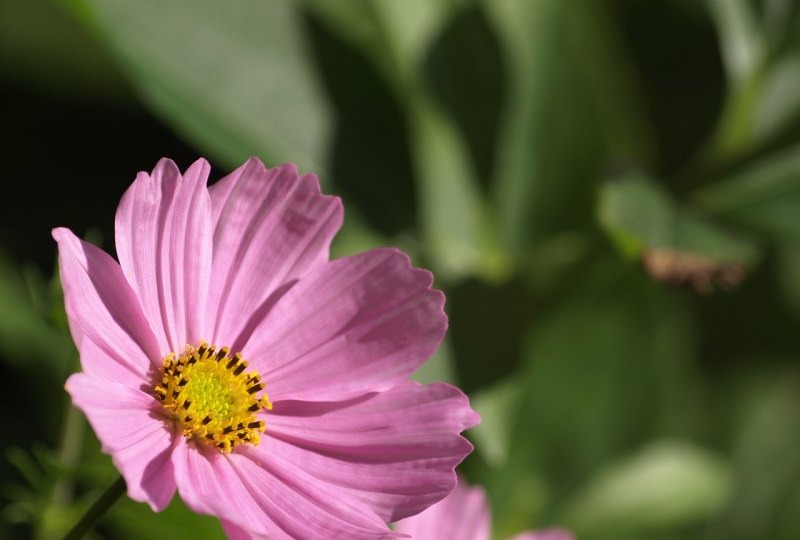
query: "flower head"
464, 515
226, 357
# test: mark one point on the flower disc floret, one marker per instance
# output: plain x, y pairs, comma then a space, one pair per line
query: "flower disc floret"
213, 396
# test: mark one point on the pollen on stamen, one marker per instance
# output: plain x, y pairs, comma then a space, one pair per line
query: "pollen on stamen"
213, 396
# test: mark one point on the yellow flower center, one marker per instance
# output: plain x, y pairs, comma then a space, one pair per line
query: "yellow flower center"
213, 396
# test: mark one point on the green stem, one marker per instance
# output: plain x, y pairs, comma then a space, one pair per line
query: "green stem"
69, 454
98, 510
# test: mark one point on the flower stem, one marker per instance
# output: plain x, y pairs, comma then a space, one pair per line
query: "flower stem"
97, 510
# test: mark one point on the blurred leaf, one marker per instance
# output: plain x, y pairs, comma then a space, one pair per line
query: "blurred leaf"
450, 206
496, 405
133, 520
355, 237
763, 75
571, 101
741, 36
396, 36
639, 215
664, 486
33, 503
606, 367
764, 196
42, 46
765, 411
25, 333
744, 53
234, 78
438, 368
779, 102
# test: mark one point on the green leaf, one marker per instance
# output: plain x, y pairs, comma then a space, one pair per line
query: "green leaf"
496, 405
451, 209
779, 103
133, 520
235, 78
639, 215
741, 37
762, 405
453, 220
438, 368
666, 485
606, 367
396, 35
27, 338
765, 196
572, 104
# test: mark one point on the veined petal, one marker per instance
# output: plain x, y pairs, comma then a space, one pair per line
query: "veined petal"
129, 425
462, 515
102, 309
259, 499
163, 238
394, 451
270, 227
358, 324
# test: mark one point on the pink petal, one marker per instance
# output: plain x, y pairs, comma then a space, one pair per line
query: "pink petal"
163, 237
462, 515
103, 310
264, 502
234, 532
271, 227
395, 450
128, 423
351, 326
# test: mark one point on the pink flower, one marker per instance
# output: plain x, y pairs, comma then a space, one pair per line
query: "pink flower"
227, 357
464, 515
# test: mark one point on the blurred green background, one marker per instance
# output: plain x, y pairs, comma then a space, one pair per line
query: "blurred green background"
608, 191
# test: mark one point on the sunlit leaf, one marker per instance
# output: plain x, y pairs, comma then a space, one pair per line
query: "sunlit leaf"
665, 485
642, 219
741, 37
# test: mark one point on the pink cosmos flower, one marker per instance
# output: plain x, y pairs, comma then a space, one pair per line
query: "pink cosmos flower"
227, 357
464, 515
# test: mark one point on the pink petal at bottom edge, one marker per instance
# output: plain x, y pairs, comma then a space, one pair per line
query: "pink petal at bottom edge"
462, 515
264, 502
128, 424
395, 451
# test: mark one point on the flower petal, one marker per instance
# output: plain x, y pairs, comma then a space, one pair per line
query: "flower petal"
271, 226
354, 325
234, 532
128, 424
394, 450
264, 501
163, 237
462, 515
102, 309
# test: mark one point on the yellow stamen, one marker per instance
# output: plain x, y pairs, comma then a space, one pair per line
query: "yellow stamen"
213, 396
